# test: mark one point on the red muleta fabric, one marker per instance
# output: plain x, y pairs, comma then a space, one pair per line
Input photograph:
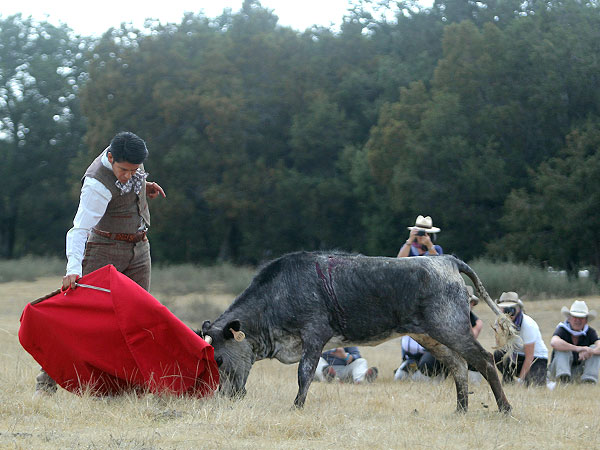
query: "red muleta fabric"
112, 342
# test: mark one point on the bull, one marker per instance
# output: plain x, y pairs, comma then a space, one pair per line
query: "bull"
303, 302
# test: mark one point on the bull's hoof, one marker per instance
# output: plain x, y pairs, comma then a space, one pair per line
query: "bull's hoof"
298, 404
506, 408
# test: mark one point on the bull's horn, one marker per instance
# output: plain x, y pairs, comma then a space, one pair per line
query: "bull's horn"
238, 335
208, 339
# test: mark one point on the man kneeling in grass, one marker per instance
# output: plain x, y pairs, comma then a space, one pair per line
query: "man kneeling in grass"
576, 348
344, 364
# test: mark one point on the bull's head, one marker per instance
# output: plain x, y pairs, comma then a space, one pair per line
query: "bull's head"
233, 355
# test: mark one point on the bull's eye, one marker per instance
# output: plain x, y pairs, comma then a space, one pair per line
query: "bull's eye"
219, 360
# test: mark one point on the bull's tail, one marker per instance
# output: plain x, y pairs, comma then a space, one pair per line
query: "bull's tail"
506, 333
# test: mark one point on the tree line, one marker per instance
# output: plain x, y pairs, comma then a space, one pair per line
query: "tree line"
484, 115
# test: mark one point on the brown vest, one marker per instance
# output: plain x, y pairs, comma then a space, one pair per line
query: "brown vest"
123, 212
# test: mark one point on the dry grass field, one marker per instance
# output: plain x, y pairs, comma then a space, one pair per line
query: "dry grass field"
383, 415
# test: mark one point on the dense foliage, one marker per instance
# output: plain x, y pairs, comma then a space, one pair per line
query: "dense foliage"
484, 115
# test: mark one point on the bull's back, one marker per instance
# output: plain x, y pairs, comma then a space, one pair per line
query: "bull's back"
362, 299
383, 297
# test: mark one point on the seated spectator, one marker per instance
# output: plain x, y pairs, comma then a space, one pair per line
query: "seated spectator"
576, 348
417, 363
530, 360
476, 322
476, 326
346, 365
421, 239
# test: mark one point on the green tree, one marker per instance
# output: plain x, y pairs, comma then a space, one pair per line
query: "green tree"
557, 221
41, 70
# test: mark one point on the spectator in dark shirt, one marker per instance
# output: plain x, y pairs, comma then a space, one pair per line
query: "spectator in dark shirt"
476, 323
576, 348
417, 363
476, 326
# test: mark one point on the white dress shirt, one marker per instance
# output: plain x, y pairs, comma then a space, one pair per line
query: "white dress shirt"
93, 201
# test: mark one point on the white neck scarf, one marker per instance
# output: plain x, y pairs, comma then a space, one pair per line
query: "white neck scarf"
567, 326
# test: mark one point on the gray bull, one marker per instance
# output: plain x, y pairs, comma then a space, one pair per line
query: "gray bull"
302, 302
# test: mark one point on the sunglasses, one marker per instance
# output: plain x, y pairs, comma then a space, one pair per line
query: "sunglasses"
510, 310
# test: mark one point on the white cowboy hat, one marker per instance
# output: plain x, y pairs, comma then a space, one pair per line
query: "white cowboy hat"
509, 299
579, 309
472, 297
424, 224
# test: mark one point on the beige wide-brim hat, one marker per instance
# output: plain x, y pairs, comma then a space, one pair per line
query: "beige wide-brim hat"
472, 297
579, 309
424, 224
509, 299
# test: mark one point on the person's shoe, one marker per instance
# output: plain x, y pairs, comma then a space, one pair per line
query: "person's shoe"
44, 390
588, 381
564, 379
44, 385
371, 374
329, 374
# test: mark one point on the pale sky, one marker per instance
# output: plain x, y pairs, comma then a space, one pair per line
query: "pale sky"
95, 17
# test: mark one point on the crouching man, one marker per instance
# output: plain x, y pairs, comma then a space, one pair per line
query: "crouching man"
576, 348
344, 364
530, 361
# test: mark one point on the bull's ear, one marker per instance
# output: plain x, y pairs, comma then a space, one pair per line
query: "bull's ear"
205, 326
233, 330
235, 324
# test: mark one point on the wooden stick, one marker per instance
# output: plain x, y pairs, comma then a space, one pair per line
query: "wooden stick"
45, 297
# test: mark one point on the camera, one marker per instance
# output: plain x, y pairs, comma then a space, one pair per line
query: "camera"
510, 311
421, 233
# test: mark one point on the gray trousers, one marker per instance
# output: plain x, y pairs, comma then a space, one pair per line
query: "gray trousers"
562, 364
132, 260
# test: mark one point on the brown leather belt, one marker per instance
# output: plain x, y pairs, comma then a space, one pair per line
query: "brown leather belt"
127, 237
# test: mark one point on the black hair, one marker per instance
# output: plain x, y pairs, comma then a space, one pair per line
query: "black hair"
128, 147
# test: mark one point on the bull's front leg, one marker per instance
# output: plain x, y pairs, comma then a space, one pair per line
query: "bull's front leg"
311, 353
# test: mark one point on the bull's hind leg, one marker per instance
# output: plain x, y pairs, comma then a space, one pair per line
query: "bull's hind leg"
483, 361
471, 350
454, 364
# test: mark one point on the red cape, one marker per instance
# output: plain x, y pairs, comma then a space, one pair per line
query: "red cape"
111, 342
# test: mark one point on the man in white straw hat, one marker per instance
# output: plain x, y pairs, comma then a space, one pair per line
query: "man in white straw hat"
530, 360
576, 348
419, 243
421, 239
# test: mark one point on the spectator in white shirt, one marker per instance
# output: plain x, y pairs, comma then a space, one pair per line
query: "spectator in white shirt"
530, 359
